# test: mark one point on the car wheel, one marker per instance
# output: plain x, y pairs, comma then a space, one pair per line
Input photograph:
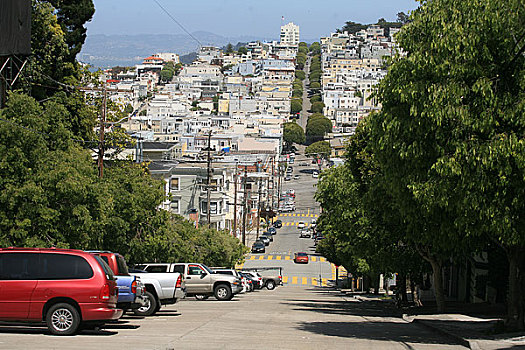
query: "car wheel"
150, 308
223, 292
270, 284
62, 319
201, 296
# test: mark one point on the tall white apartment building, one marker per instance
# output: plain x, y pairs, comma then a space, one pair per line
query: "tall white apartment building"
290, 34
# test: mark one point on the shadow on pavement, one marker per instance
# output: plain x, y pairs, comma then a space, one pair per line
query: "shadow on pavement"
365, 309
28, 329
380, 330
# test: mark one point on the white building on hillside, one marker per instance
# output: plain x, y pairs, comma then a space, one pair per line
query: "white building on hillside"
290, 34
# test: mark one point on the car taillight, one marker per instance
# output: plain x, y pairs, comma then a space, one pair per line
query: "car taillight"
105, 292
134, 287
179, 282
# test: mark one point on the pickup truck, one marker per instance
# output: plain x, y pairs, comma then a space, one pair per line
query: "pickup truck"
201, 282
159, 289
130, 288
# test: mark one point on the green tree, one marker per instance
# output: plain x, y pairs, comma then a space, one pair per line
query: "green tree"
315, 130
402, 17
229, 48
352, 27
242, 50
72, 15
315, 85
296, 106
317, 107
293, 133
449, 137
320, 149
316, 98
299, 74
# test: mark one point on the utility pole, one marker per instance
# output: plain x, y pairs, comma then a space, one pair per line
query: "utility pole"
259, 206
101, 139
272, 203
235, 203
244, 202
208, 182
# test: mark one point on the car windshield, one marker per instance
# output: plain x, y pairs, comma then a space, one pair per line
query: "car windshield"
301, 254
207, 269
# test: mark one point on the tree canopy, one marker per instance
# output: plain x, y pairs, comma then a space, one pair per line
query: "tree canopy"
448, 142
293, 133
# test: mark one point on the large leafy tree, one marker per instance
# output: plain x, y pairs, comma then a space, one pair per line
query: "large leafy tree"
72, 15
319, 149
449, 137
293, 133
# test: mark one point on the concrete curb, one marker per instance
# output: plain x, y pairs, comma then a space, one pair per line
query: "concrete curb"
460, 340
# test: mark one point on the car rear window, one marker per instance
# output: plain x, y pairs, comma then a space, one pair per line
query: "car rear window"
19, 266
157, 268
301, 254
122, 267
64, 267
105, 267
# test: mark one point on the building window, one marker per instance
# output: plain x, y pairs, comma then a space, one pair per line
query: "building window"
175, 206
174, 184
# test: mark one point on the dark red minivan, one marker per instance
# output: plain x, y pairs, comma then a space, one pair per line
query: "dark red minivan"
62, 287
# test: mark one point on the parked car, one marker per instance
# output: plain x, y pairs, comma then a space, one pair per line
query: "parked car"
252, 282
305, 234
256, 277
296, 177
301, 225
130, 289
265, 240
315, 174
201, 282
272, 230
258, 247
291, 192
233, 272
161, 289
64, 288
287, 178
268, 234
278, 224
300, 257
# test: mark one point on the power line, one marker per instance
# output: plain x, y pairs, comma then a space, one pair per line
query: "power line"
178, 23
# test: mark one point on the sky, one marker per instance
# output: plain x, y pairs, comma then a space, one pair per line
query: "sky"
232, 18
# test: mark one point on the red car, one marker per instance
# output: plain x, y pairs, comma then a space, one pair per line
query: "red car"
301, 257
62, 287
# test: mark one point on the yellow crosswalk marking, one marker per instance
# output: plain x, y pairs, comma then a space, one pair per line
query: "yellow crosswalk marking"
278, 257
322, 259
314, 259
305, 280
325, 282
314, 281
270, 257
285, 279
294, 280
261, 257
287, 258
252, 257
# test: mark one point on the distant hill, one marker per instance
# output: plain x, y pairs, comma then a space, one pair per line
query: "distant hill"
105, 51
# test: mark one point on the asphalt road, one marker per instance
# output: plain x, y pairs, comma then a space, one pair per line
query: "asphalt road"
286, 318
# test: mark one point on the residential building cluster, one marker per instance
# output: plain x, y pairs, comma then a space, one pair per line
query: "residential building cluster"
214, 132
352, 64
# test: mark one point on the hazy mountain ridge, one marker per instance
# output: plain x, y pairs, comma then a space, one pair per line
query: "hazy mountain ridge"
102, 50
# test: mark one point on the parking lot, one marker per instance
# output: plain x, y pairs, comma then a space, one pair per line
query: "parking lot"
288, 317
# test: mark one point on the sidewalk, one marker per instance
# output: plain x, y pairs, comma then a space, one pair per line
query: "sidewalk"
471, 325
